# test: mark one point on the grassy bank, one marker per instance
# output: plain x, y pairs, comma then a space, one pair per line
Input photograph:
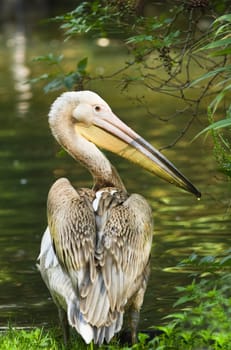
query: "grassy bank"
170, 339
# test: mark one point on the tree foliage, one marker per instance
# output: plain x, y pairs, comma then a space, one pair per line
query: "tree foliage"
218, 44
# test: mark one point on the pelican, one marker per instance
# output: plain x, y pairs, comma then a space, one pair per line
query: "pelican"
95, 253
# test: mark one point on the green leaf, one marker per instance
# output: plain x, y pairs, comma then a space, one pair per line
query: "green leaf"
50, 59
61, 153
223, 52
142, 337
82, 64
70, 80
182, 300
156, 25
207, 260
55, 84
139, 38
217, 43
171, 38
168, 329
214, 104
226, 260
176, 315
224, 123
40, 78
211, 74
223, 18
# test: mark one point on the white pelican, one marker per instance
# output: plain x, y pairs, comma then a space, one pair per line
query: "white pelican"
95, 253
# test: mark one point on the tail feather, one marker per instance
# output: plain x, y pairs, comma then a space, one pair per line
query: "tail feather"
88, 332
76, 320
99, 334
107, 332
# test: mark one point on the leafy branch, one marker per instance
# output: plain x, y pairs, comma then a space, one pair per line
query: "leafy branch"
220, 46
61, 79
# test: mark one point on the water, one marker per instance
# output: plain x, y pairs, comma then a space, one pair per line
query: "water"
29, 165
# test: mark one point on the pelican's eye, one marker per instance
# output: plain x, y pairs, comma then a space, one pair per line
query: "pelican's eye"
98, 108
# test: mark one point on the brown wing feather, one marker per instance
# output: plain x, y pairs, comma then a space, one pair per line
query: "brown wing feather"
122, 253
72, 226
105, 252
128, 239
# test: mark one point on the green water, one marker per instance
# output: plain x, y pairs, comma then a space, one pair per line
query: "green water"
29, 165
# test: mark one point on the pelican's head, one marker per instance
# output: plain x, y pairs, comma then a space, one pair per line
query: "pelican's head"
93, 119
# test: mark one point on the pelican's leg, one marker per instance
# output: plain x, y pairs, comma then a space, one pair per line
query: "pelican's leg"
137, 302
64, 324
134, 320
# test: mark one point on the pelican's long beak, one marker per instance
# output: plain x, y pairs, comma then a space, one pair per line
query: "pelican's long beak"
110, 133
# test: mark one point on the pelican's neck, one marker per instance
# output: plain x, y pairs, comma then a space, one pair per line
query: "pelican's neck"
103, 172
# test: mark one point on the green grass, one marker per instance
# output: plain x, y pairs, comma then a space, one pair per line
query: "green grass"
37, 338
172, 338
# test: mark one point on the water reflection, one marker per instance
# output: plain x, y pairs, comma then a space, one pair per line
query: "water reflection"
17, 44
20, 72
28, 167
